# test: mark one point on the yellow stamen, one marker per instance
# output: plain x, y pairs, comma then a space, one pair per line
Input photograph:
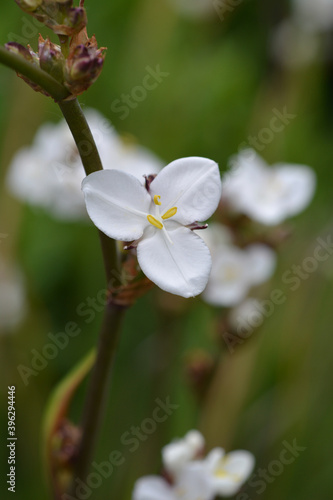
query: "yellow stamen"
170, 213
220, 473
157, 200
154, 222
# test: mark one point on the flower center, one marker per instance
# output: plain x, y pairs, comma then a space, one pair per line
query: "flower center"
222, 473
157, 219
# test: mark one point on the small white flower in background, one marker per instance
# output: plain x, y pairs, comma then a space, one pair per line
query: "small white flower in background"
12, 297
181, 451
268, 195
169, 253
218, 474
228, 472
234, 270
193, 483
313, 16
49, 173
247, 316
292, 46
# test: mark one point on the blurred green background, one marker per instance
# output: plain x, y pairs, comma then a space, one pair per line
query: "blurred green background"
222, 87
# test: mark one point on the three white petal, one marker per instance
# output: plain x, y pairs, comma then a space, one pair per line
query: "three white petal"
268, 195
171, 255
193, 483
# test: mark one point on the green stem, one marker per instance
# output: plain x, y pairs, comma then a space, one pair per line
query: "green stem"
34, 73
100, 379
97, 392
91, 161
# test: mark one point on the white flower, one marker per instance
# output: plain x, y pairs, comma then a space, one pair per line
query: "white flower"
12, 297
169, 253
193, 484
247, 316
234, 270
181, 451
294, 47
216, 475
229, 472
268, 195
314, 15
49, 173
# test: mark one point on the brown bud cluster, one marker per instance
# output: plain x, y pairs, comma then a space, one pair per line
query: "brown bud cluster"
58, 15
84, 64
80, 70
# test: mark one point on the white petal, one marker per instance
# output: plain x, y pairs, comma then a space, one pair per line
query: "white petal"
262, 262
283, 192
195, 441
152, 488
300, 185
215, 236
247, 170
117, 204
240, 462
246, 316
232, 472
137, 161
175, 456
195, 482
214, 457
181, 268
181, 451
193, 185
230, 278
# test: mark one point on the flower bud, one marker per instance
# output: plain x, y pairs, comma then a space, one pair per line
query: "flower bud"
29, 5
51, 58
58, 15
29, 55
84, 64
20, 50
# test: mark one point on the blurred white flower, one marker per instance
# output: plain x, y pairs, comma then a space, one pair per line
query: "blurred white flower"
292, 46
234, 270
314, 15
217, 474
169, 253
193, 483
247, 316
229, 472
181, 451
12, 297
49, 173
266, 194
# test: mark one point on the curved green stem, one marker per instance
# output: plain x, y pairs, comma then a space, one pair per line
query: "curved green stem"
34, 73
100, 379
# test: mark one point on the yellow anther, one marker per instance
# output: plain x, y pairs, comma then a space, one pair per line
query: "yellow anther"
154, 222
157, 200
170, 213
